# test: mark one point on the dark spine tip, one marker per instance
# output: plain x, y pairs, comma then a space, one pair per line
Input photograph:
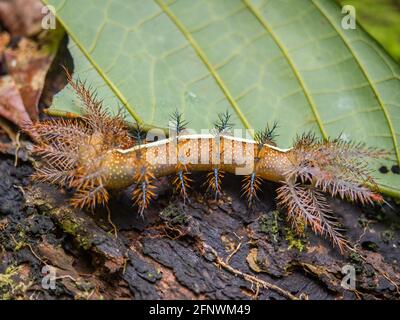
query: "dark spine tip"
223, 124
177, 122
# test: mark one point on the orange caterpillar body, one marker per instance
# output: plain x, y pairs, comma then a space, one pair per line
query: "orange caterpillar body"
97, 153
155, 157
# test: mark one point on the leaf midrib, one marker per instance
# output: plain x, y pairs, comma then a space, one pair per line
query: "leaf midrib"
291, 63
111, 85
204, 59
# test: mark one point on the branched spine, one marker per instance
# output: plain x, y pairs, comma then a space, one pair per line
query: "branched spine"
250, 186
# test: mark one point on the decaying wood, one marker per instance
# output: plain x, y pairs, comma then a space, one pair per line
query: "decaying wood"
205, 250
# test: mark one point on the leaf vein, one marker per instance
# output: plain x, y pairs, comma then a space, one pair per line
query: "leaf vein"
111, 85
281, 46
365, 73
204, 59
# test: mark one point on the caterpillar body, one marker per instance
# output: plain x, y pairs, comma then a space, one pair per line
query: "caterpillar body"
97, 153
162, 158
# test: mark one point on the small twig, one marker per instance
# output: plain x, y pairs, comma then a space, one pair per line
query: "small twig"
165, 228
357, 244
7, 129
110, 222
257, 291
20, 188
36, 255
252, 279
125, 265
67, 276
31, 249
18, 146
233, 252
358, 294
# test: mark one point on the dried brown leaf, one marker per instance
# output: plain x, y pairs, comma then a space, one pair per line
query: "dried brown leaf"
28, 65
22, 17
11, 105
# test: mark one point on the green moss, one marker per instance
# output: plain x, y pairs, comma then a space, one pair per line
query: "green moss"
293, 240
388, 236
83, 242
269, 224
72, 227
357, 261
173, 215
19, 239
9, 287
371, 246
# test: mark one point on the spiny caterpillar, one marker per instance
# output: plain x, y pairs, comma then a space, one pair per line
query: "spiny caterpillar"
97, 153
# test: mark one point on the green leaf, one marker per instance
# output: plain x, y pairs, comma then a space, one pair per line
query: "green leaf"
284, 60
382, 20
